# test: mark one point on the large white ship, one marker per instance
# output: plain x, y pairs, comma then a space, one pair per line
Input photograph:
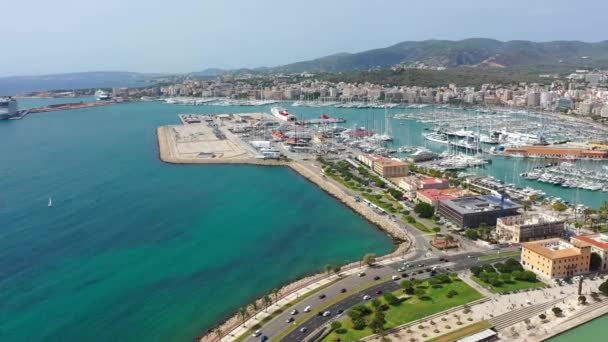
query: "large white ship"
282, 114
8, 107
101, 95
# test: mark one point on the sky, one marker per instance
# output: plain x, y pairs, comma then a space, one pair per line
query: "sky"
178, 36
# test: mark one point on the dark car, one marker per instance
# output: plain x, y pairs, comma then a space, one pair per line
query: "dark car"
289, 320
343, 291
322, 296
377, 278
379, 292
404, 275
428, 270
420, 271
264, 338
340, 311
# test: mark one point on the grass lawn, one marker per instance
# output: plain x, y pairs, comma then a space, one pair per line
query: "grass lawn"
500, 255
514, 285
418, 225
464, 332
413, 309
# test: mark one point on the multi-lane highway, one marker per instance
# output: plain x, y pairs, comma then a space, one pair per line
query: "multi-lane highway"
418, 268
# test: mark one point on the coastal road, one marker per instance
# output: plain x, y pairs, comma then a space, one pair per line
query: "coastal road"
318, 320
279, 323
456, 263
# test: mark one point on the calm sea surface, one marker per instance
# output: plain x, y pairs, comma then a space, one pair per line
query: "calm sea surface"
134, 249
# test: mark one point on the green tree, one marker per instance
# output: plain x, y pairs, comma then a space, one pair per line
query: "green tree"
419, 292
391, 299
559, 207
254, 307
267, 301
471, 234
369, 259
243, 314
328, 269
275, 294
556, 311
377, 323
596, 262
337, 269
335, 325
582, 299
604, 288
424, 210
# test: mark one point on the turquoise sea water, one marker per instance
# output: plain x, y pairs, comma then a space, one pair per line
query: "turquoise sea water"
591, 331
134, 249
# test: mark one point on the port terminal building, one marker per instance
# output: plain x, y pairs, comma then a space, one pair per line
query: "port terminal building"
472, 211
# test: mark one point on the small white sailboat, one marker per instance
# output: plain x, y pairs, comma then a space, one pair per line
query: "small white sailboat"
50, 202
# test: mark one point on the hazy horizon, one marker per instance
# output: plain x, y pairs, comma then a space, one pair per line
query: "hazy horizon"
68, 36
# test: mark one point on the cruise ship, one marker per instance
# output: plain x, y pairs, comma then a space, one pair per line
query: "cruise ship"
101, 95
282, 114
8, 107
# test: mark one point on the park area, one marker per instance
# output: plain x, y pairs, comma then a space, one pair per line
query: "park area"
505, 277
415, 300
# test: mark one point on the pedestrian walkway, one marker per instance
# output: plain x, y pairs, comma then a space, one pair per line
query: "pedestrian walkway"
466, 277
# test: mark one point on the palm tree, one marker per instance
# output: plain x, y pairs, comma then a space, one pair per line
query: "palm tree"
243, 314
218, 333
275, 294
327, 269
267, 301
254, 307
337, 269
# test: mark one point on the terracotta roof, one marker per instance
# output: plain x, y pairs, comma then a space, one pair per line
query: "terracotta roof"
592, 240
539, 248
433, 180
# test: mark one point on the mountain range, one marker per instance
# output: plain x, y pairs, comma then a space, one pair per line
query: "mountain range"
477, 52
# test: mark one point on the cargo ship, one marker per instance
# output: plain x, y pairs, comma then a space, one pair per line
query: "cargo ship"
282, 114
8, 107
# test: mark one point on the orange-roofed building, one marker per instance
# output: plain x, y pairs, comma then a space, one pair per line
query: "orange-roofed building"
433, 196
556, 258
599, 245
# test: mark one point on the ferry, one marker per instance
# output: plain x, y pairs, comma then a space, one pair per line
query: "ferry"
282, 114
101, 95
8, 107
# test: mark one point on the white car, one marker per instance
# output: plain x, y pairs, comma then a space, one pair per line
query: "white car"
361, 274
256, 333
395, 277
367, 297
294, 312
326, 313
400, 270
307, 309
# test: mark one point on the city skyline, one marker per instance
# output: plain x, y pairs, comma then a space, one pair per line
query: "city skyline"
191, 36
